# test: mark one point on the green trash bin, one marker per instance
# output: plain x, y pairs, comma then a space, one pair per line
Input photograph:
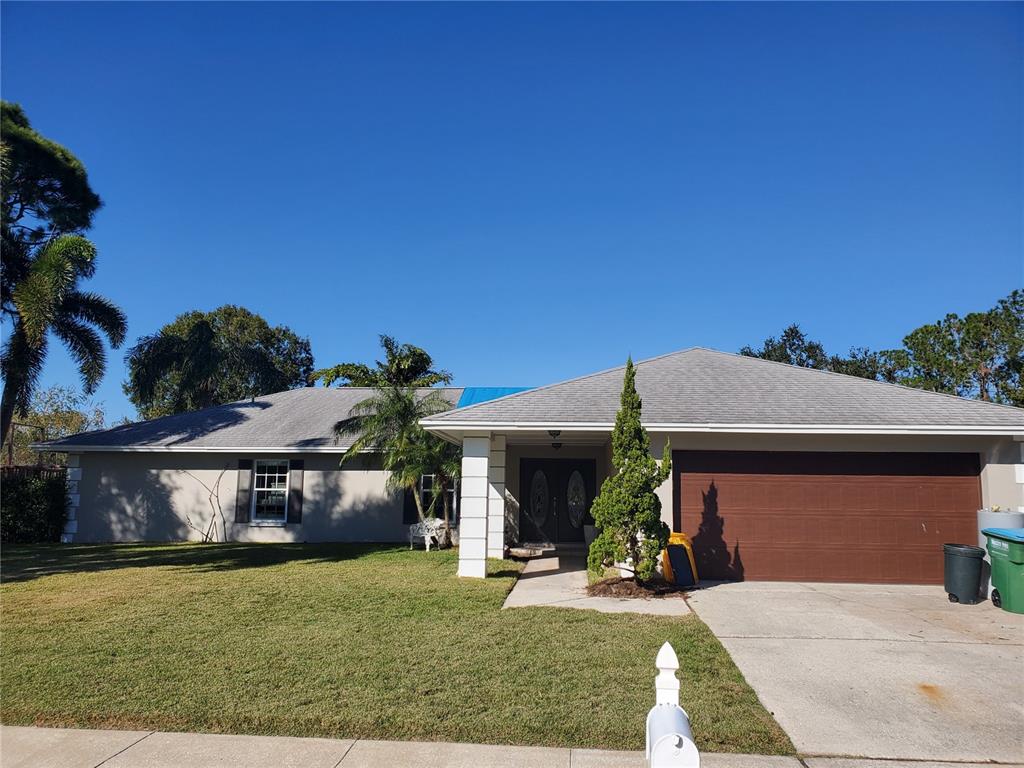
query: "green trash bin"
1006, 551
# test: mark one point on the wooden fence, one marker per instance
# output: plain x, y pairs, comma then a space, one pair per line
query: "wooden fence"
10, 473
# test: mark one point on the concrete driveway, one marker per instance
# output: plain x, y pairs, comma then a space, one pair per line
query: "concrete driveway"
877, 671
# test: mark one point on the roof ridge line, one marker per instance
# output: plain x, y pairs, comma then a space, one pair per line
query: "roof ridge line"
905, 387
569, 381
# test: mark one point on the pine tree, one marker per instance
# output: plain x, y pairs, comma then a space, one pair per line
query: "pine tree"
627, 510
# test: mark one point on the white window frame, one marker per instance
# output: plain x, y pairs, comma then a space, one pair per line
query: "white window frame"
425, 496
264, 522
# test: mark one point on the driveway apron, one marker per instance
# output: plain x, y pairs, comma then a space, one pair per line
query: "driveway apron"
892, 672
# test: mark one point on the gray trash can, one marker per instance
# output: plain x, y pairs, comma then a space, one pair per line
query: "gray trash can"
963, 573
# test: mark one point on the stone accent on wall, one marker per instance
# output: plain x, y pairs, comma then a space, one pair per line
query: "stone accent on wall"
74, 478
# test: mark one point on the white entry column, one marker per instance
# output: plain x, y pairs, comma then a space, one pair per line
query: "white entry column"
496, 498
476, 453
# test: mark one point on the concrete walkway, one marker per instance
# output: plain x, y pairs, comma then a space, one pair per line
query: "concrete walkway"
559, 580
72, 748
883, 671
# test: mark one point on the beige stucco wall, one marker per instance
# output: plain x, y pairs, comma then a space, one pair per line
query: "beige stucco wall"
1002, 475
998, 455
154, 496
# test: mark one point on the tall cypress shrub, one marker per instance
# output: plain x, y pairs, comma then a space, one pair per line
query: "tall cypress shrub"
627, 510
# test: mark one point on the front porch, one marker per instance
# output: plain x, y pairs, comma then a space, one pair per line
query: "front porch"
531, 489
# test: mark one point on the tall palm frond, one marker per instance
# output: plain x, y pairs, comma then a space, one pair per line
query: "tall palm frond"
43, 300
54, 272
21, 363
388, 422
194, 359
93, 309
85, 347
404, 365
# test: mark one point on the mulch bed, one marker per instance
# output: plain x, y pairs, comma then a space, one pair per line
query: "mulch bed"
628, 587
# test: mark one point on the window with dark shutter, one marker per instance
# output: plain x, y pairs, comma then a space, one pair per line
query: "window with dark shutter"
270, 494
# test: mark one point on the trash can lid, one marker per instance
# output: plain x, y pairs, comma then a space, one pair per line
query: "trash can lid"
964, 550
1010, 534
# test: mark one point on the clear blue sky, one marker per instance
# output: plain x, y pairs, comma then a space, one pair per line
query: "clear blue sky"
532, 192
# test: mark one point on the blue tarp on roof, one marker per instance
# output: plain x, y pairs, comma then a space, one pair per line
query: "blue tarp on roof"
474, 395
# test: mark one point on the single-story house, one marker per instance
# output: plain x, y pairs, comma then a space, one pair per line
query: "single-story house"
265, 469
779, 472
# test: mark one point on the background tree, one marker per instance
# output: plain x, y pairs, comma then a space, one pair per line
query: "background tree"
388, 422
45, 192
54, 413
795, 348
203, 359
866, 364
403, 366
46, 203
792, 347
628, 510
980, 355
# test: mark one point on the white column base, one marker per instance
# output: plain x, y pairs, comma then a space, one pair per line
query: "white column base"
476, 569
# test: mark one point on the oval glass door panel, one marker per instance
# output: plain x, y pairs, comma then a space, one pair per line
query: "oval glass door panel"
576, 499
539, 499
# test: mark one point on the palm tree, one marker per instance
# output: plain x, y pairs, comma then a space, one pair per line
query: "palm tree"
388, 421
170, 372
403, 366
46, 300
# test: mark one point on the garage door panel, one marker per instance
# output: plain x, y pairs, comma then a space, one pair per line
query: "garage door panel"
842, 524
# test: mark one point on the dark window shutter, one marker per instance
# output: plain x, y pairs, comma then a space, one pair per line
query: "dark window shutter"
296, 469
243, 500
409, 513
457, 502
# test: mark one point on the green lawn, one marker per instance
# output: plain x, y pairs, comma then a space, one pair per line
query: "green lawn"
344, 641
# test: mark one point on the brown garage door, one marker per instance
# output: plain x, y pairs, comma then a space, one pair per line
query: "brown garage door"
864, 517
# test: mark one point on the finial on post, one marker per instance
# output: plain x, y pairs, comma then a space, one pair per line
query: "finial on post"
669, 738
666, 684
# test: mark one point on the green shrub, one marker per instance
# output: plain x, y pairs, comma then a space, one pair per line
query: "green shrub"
627, 510
33, 506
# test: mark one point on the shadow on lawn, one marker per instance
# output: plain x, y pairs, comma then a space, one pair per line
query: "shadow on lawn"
26, 563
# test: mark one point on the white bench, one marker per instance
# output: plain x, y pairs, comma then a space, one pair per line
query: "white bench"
431, 529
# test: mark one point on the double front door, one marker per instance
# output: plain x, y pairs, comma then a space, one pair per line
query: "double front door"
554, 499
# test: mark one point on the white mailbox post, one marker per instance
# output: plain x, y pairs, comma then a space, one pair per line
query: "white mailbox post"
669, 739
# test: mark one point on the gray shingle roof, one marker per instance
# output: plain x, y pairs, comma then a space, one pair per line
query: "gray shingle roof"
706, 387
296, 419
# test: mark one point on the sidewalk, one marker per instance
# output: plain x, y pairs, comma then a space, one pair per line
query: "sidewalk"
72, 748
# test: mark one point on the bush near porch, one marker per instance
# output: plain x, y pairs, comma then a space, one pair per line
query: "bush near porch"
341, 640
